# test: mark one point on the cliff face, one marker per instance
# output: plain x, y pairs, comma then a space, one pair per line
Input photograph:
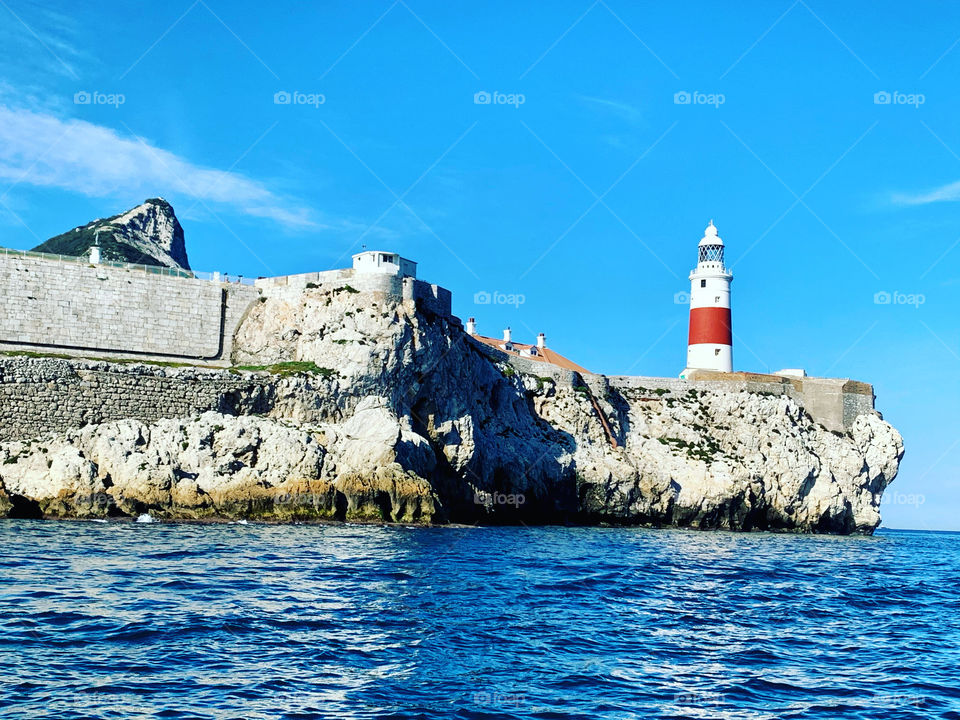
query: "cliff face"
400, 416
148, 234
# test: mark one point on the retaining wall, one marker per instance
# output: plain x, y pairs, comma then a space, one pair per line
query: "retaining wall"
44, 395
77, 309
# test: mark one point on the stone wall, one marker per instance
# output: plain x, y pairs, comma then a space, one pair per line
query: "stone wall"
561, 376
835, 403
43, 395
290, 287
99, 311
72, 308
429, 297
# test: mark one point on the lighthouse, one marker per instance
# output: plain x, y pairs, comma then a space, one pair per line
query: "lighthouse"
710, 342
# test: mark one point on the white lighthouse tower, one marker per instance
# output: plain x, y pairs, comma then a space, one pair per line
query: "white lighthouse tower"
710, 342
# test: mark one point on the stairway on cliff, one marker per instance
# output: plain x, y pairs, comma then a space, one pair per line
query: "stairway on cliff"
602, 417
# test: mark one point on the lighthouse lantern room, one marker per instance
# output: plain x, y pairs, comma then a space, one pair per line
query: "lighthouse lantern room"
710, 342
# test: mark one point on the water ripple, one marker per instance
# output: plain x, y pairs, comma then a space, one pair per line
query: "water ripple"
121, 620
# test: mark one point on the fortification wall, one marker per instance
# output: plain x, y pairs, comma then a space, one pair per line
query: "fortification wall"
290, 287
76, 309
429, 297
72, 308
44, 395
835, 403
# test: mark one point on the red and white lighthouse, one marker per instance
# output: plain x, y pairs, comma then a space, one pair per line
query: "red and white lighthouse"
710, 343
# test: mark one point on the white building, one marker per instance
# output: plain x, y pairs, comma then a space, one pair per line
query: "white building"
387, 263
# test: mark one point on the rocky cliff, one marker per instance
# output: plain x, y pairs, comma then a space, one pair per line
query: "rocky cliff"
367, 407
148, 234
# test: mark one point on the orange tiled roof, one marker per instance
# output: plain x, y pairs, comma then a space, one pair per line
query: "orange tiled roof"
545, 355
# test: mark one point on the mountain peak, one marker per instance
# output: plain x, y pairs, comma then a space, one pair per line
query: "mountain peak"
148, 234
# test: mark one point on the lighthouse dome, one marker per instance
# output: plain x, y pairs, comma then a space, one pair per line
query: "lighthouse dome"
710, 236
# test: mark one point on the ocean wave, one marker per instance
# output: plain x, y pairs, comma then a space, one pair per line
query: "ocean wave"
367, 622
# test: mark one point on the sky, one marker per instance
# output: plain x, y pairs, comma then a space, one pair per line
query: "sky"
561, 159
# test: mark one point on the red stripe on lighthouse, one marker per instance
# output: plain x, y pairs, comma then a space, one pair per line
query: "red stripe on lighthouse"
710, 325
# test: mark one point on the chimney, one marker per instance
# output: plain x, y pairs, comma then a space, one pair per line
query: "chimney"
507, 335
541, 341
95, 249
471, 326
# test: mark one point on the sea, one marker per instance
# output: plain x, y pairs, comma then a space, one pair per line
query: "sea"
177, 620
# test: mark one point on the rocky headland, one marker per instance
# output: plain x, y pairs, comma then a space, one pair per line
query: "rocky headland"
353, 405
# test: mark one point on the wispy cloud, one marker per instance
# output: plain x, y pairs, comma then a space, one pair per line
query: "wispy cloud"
623, 110
945, 193
43, 150
40, 38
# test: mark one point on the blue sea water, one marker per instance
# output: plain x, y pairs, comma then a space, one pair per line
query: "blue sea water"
125, 620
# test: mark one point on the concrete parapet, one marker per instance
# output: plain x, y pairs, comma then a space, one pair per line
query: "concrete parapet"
301, 280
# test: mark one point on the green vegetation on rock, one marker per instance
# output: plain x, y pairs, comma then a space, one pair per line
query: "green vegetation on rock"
286, 369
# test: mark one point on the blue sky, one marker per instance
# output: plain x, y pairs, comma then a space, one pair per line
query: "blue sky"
584, 189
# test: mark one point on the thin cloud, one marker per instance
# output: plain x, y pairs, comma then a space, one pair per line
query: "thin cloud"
45, 151
946, 193
624, 110
37, 38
